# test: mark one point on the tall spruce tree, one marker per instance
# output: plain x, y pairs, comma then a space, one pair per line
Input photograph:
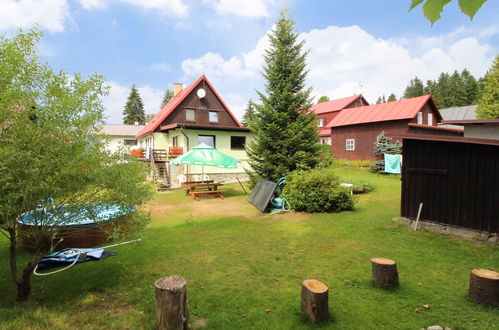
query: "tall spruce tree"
166, 98
392, 97
456, 91
286, 136
380, 100
488, 105
470, 87
323, 98
249, 113
414, 89
134, 109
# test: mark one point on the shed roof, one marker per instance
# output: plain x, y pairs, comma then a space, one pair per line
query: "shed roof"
335, 105
457, 113
396, 110
121, 129
152, 125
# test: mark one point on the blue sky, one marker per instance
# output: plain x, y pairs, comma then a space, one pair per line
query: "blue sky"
356, 46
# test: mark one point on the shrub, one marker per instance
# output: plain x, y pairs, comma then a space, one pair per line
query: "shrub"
360, 186
317, 191
352, 163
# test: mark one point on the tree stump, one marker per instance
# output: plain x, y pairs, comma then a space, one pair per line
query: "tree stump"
171, 303
484, 286
385, 273
314, 300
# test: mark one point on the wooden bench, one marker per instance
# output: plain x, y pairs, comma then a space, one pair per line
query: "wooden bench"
206, 193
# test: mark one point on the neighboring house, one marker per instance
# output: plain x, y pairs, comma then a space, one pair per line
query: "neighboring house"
196, 114
457, 113
478, 128
327, 111
456, 179
121, 135
354, 130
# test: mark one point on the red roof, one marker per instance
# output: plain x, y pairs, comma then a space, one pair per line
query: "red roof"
397, 110
154, 123
335, 105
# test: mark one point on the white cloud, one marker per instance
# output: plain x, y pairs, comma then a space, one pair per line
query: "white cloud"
172, 8
253, 8
348, 60
50, 14
114, 103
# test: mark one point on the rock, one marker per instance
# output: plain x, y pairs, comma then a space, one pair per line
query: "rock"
493, 239
435, 327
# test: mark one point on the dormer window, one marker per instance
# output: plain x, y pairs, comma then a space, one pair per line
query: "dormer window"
420, 118
213, 117
320, 122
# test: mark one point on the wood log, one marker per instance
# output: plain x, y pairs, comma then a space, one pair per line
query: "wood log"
484, 286
314, 300
385, 273
171, 303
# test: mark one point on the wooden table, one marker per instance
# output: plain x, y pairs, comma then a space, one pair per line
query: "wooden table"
197, 190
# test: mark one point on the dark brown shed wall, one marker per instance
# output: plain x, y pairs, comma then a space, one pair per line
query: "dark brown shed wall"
458, 183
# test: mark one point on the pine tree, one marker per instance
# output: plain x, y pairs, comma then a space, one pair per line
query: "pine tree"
392, 97
456, 92
134, 109
380, 100
488, 105
414, 89
323, 98
166, 98
470, 86
249, 114
286, 136
441, 93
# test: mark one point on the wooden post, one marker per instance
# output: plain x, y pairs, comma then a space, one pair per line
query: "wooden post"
171, 303
385, 273
314, 300
484, 286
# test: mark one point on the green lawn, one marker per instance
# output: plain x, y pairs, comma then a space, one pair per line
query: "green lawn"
238, 263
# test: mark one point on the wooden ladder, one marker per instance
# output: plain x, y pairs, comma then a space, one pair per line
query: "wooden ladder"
160, 169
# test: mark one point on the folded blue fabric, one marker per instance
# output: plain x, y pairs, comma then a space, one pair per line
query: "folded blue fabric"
392, 164
68, 256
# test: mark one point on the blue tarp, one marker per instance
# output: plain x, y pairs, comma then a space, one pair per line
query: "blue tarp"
68, 256
392, 163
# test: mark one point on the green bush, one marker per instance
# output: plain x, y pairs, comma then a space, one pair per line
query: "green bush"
317, 191
360, 186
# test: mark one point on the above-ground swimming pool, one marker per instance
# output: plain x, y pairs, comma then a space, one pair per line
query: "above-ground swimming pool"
82, 225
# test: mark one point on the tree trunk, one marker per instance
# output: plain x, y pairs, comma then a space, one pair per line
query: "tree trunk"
171, 303
384, 272
24, 284
314, 300
484, 286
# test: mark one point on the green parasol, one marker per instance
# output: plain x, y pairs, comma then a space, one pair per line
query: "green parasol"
205, 155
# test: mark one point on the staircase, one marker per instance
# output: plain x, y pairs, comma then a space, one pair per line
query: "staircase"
159, 164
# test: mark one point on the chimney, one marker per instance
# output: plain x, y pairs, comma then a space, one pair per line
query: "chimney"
136, 123
177, 88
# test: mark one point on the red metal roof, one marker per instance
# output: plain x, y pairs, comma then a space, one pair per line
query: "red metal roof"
154, 123
397, 110
335, 105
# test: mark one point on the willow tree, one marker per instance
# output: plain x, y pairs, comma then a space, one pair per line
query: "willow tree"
286, 136
50, 147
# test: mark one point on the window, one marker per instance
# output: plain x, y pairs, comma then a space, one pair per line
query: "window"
320, 122
420, 118
237, 142
130, 142
213, 117
207, 139
350, 144
190, 115
175, 141
430, 119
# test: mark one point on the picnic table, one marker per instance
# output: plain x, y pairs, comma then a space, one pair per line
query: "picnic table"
200, 189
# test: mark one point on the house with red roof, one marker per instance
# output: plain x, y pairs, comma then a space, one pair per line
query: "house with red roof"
196, 114
327, 111
354, 130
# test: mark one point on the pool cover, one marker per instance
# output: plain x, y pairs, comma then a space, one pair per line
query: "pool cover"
68, 256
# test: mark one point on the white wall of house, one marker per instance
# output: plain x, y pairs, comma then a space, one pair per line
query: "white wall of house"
117, 142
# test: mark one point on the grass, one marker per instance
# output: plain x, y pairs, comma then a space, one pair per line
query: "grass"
238, 263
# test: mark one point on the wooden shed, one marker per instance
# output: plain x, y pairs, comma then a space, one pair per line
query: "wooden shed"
456, 179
